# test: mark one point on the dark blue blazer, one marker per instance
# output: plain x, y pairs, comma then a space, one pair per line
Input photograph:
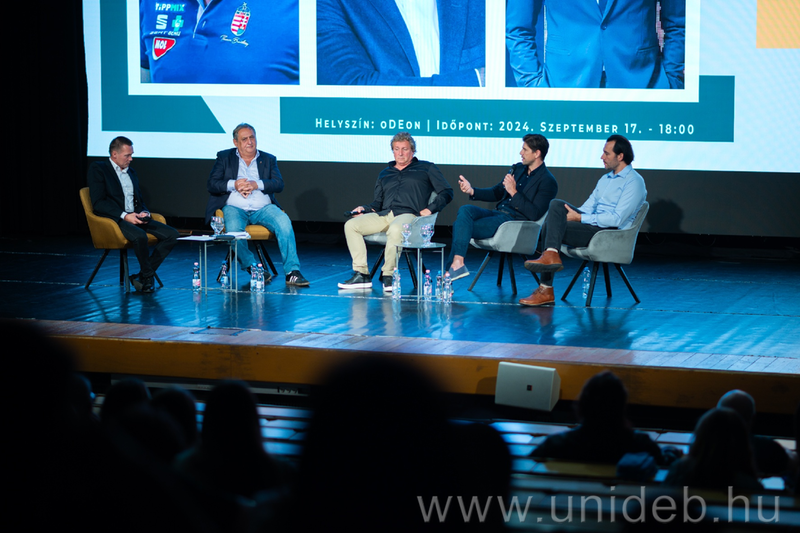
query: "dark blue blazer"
581, 40
108, 199
226, 168
366, 42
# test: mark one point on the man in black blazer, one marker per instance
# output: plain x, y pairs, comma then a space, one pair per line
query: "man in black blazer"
114, 189
246, 194
523, 194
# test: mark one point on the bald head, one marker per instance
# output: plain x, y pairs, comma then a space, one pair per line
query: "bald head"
741, 402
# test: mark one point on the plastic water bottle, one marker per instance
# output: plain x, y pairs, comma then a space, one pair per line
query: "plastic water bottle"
587, 277
438, 291
396, 289
254, 278
427, 287
447, 289
196, 286
224, 280
261, 277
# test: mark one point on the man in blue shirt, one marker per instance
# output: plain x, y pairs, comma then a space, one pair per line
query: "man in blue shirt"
613, 204
243, 184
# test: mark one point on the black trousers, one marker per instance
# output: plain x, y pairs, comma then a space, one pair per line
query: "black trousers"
557, 231
137, 233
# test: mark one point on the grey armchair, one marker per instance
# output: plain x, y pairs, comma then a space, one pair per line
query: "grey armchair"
512, 237
607, 246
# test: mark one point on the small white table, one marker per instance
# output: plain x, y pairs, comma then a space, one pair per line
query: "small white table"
434, 246
205, 241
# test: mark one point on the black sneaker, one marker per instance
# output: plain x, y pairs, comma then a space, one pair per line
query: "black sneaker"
296, 278
387, 283
358, 281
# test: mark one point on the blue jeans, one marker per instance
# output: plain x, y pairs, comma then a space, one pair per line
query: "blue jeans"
272, 218
474, 222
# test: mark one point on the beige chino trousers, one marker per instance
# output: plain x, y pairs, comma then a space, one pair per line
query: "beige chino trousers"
357, 227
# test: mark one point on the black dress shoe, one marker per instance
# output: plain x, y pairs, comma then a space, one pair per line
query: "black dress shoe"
136, 282
148, 285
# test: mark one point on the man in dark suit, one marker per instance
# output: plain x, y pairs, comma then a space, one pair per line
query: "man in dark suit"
243, 184
524, 194
114, 189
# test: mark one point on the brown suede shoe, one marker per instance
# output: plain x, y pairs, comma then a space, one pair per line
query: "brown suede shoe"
541, 296
550, 261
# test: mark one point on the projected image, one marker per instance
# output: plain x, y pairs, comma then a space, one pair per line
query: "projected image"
627, 44
403, 42
219, 42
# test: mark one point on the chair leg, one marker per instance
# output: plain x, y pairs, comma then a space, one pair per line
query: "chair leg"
411, 269
96, 268
376, 265
608, 281
574, 279
480, 270
124, 272
263, 254
160, 285
535, 276
511, 273
627, 283
500, 269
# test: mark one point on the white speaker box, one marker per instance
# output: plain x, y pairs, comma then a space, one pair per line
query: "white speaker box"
528, 386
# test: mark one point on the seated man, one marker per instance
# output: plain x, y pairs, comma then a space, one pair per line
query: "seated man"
604, 434
524, 194
401, 194
613, 204
770, 457
114, 189
243, 184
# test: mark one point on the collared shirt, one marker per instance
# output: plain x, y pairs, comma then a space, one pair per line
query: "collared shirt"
615, 200
409, 190
422, 21
505, 203
127, 187
256, 199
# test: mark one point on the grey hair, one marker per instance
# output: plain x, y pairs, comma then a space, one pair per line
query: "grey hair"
404, 136
242, 126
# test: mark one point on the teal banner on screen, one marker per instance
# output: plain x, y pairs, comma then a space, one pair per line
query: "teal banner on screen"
709, 120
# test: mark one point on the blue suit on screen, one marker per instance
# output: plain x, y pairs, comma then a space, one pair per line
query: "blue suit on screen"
366, 42
611, 43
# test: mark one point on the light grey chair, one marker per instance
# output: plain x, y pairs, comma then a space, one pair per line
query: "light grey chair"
607, 246
380, 239
512, 237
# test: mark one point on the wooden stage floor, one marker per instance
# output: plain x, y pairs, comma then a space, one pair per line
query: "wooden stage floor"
704, 325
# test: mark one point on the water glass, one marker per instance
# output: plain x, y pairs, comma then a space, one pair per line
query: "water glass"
406, 233
217, 224
427, 233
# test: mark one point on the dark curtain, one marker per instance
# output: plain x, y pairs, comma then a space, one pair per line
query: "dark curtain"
48, 119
